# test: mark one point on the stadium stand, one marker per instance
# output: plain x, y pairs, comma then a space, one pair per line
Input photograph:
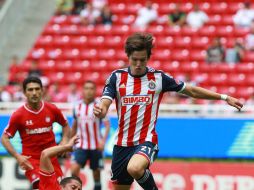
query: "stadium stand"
69, 52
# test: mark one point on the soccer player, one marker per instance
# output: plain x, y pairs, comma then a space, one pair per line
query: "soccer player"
87, 126
48, 177
34, 121
138, 90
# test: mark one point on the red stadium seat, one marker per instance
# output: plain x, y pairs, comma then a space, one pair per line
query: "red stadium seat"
244, 68
44, 41
155, 30
197, 55
180, 55
189, 67
200, 42
188, 31
224, 31
164, 42
171, 67
106, 54
61, 19
161, 54
218, 8
70, 54
248, 56
218, 79
88, 54
208, 31
78, 41
182, 42
114, 42
95, 41
82, 66
64, 66
236, 79
118, 8
215, 20
47, 66
61, 41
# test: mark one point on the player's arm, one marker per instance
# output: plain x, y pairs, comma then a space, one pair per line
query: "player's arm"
109, 93
102, 110
201, 93
21, 159
74, 128
105, 136
47, 154
66, 134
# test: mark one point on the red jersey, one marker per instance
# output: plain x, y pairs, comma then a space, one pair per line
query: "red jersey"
48, 181
35, 128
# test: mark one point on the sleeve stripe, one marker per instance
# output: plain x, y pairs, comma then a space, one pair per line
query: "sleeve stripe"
46, 173
184, 85
107, 97
8, 134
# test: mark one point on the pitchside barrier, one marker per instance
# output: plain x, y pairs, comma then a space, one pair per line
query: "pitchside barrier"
185, 131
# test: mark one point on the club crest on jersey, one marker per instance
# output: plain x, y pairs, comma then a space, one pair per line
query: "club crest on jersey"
47, 119
151, 85
29, 122
136, 100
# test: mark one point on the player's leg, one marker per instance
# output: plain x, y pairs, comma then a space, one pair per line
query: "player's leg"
35, 185
121, 179
139, 164
122, 187
33, 175
96, 164
79, 159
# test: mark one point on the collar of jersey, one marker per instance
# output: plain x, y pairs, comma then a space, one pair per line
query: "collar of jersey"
137, 76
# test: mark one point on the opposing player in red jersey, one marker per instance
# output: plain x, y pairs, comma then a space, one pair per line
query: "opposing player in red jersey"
138, 90
48, 177
87, 126
34, 121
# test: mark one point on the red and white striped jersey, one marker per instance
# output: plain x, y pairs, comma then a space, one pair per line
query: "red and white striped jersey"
88, 126
137, 103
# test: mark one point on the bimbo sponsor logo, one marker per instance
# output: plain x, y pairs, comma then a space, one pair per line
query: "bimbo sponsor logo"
136, 100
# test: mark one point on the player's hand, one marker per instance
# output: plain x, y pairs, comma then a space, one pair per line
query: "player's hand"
234, 102
74, 140
24, 163
101, 146
97, 111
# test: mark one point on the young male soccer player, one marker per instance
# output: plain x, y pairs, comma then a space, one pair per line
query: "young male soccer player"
34, 122
48, 177
87, 126
138, 90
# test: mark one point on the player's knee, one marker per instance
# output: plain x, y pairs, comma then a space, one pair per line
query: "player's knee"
75, 168
135, 170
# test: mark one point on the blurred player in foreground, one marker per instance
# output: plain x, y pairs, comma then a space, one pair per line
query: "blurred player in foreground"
34, 121
138, 90
48, 177
87, 126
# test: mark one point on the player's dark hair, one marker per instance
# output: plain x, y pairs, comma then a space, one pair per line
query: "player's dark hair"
139, 42
91, 82
67, 180
31, 79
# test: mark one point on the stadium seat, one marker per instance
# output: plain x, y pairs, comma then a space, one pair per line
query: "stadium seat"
236, 79
245, 68
219, 79
164, 42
